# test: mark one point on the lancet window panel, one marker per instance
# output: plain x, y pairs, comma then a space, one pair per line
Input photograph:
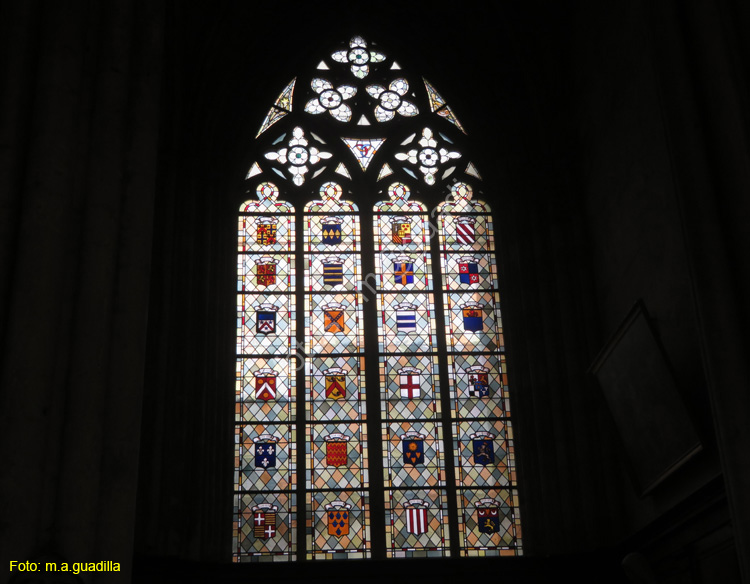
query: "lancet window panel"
336, 432
469, 271
473, 321
337, 456
484, 449
406, 323
265, 512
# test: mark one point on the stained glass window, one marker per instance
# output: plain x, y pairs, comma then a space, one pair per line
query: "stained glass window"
371, 365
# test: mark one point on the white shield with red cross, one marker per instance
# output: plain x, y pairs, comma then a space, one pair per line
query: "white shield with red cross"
408, 382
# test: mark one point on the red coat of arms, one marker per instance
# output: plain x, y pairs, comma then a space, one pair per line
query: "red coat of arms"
336, 450
400, 230
465, 230
265, 272
265, 233
265, 384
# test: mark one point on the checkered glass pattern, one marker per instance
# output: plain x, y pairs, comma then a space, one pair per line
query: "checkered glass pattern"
419, 234
281, 340
248, 406
478, 542
252, 273
461, 339
476, 237
323, 545
324, 272
324, 342
393, 277
465, 399
434, 542
321, 408
250, 548
395, 402
397, 338
471, 472
314, 234
283, 238
250, 476
322, 475
398, 473
483, 264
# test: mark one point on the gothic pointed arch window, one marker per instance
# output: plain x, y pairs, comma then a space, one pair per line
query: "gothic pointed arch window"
372, 411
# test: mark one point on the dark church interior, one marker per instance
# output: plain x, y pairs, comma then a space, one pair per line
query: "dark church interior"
613, 138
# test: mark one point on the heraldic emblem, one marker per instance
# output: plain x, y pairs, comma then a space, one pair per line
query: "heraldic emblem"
338, 518
403, 270
264, 520
400, 230
265, 384
468, 270
478, 384
412, 443
332, 230
408, 382
265, 271
336, 449
406, 317
416, 516
265, 233
265, 451
488, 516
333, 318
335, 383
333, 271
473, 317
265, 319
465, 230
483, 448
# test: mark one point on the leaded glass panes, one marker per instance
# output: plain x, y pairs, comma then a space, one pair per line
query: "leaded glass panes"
338, 525
477, 375
336, 435
413, 459
265, 402
303, 432
416, 523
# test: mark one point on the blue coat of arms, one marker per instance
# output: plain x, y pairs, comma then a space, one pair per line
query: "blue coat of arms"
265, 452
483, 448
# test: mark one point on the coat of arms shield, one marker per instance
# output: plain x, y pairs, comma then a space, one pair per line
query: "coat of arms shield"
483, 448
264, 520
338, 518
